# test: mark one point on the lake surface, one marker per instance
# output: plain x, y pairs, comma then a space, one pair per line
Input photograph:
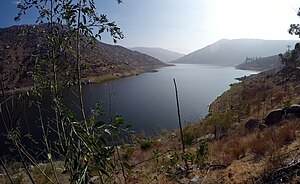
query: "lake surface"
148, 102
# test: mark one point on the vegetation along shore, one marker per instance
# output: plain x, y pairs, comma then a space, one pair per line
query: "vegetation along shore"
251, 133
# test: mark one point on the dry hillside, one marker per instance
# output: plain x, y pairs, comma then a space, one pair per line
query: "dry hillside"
19, 45
221, 148
234, 152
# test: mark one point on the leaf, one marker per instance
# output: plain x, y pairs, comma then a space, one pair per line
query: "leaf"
103, 171
49, 156
99, 124
127, 166
128, 126
104, 141
107, 131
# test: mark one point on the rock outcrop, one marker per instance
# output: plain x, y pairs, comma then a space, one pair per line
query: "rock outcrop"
251, 123
273, 117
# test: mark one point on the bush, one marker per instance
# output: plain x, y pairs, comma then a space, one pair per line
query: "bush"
128, 152
145, 144
164, 132
201, 153
188, 138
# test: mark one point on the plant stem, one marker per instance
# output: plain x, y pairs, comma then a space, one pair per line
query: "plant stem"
178, 114
179, 120
78, 59
6, 171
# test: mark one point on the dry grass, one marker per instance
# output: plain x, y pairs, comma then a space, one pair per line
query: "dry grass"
248, 154
259, 143
243, 151
19, 176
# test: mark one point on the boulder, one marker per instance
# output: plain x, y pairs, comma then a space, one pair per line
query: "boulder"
208, 137
251, 123
273, 117
293, 110
262, 126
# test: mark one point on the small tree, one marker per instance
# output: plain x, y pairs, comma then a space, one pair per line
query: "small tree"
291, 57
84, 143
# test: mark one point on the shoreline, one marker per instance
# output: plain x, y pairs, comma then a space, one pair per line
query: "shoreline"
97, 79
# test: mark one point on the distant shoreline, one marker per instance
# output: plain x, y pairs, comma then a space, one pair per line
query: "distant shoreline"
96, 79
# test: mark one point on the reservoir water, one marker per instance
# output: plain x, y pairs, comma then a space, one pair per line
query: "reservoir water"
146, 101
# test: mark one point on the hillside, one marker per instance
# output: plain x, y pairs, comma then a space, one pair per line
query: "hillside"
224, 147
234, 52
18, 45
159, 53
260, 64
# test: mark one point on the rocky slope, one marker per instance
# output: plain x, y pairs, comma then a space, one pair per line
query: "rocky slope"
221, 148
233, 52
18, 45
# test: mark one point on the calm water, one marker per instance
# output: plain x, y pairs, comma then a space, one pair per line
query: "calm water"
147, 101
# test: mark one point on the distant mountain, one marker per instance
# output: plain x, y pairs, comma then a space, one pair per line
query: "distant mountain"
159, 53
233, 52
260, 64
18, 45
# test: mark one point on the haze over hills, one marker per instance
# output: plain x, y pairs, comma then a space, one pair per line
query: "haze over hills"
19, 43
259, 64
159, 53
233, 52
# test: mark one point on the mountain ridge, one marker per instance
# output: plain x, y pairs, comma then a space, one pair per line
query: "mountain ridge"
159, 53
101, 61
232, 52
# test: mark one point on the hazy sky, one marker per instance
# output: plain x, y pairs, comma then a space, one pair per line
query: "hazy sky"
188, 25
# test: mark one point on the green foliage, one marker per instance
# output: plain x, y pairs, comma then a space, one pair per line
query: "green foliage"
222, 121
127, 167
155, 154
128, 153
234, 85
188, 138
187, 157
89, 151
164, 132
86, 144
227, 120
145, 144
201, 153
291, 58
174, 159
287, 102
17, 166
295, 28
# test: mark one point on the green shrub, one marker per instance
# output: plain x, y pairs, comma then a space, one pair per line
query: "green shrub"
201, 153
164, 132
145, 144
17, 166
188, 138
129, 152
